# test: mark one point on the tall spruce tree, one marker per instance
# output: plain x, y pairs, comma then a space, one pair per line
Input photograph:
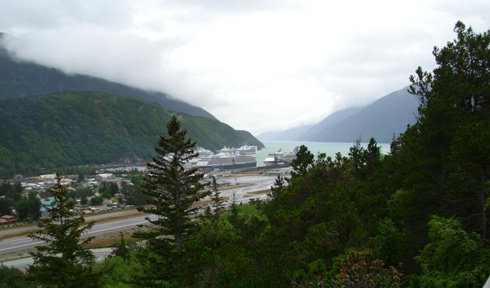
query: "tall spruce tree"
63, 261
451, 139
303, 160
172, 189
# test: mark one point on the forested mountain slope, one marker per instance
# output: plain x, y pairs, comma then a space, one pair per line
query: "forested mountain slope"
78, 128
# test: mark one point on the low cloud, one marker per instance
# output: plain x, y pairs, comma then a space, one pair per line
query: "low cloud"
266, 65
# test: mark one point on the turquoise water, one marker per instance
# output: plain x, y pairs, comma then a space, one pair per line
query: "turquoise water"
329, 148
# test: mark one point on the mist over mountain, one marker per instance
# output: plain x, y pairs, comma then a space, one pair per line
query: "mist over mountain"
330, 120
385, 118
309, 131
382, 119
23, 79
49, 119
284, 135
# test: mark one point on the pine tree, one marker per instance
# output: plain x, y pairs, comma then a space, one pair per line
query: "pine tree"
218, 205
451, 139
122, 249
303, 160
172, 189
62, 262
277, 188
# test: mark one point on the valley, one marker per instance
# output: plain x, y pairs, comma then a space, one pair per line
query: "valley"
233, 187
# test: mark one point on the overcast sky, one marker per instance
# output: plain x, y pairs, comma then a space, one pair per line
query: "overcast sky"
256, 65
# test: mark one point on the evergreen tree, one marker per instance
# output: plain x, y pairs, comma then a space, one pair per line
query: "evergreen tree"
122, 249
452, 257
277, 188
212, 212
303, 160
62, 262
13, 278
28, 208
356, 155
451, 139
218, 205
172, 189
5, 206
113, 188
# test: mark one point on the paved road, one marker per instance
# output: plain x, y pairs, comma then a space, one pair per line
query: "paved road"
19, 242
255, 183
88, 218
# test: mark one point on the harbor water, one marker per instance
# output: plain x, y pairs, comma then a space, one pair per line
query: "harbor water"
329, 148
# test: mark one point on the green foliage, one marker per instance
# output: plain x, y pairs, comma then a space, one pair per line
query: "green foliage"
9, 195
28, 208
108, 189
96, 200
214, 210
225, 250
303, 160
277, 188
211, 247
14, 278
453, 257
62, 262
132, 193
118, 272
104, 190
389, 241
5, 206
12, 192
121, 249
83, 192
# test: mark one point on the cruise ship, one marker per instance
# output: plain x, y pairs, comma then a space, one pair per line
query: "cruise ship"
280, 158
229, 158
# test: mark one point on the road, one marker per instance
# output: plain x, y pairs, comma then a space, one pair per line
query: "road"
30, 228
244, 186
247, 185
20, 242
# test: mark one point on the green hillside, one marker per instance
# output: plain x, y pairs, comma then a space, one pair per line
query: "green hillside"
77, 128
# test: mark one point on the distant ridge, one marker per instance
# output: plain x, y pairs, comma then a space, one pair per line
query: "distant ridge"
330, 120
23, 79
383, 119
289, 134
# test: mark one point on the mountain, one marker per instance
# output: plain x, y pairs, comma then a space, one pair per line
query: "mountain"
332, 119
41, 133
284, 135
23, 79
383, 119
298, 133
